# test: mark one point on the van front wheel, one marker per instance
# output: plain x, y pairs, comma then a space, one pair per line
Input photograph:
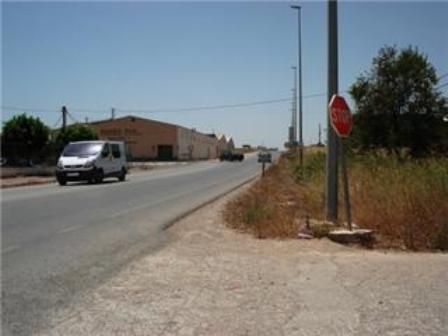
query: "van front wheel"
122, 176
99, 176
61, 181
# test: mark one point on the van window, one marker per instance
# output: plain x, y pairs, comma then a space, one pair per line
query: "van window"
116, 151
82, 149
105, 152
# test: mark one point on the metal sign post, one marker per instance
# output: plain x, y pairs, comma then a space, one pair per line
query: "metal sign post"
342, 122
348, 211
264, 158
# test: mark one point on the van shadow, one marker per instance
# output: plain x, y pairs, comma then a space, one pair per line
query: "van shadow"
85, 183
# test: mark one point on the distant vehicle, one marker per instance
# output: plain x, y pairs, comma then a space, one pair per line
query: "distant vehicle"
3, 161
264, 157
92, 161
231, 156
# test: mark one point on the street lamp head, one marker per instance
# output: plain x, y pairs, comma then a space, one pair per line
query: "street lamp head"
293, 67
296, 7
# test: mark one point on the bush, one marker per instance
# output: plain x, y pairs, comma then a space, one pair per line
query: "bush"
24, 137
76, 132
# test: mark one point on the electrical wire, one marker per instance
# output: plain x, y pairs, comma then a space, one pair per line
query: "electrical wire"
73, 118
216, 107
57, 122
201, 108
26, 109
163, 110
441, 86
442, 76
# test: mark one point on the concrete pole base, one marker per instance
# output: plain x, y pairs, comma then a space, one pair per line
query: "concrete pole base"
357, 236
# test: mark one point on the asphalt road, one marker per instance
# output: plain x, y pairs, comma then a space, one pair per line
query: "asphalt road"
57, 241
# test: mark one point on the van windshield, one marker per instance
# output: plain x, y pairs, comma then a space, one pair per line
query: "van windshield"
82, 149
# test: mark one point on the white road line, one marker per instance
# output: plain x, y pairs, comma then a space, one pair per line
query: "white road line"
71, 228
10, 249
126, 211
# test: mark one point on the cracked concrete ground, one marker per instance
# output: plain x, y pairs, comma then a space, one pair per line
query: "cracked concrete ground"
210, 280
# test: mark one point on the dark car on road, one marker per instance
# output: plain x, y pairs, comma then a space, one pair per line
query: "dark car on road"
231, 156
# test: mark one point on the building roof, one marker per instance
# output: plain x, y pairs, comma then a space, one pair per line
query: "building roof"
225, 137
145, 120
212, 135
135, 117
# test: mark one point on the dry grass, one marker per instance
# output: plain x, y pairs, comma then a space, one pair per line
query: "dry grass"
406, 203
271, 207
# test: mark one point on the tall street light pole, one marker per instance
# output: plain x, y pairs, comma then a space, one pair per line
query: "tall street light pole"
331, 183
294, 110
299, 61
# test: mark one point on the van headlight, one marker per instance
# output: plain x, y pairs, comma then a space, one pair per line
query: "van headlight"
89, 164
59, 165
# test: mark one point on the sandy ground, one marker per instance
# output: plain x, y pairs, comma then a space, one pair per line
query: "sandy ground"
210, 280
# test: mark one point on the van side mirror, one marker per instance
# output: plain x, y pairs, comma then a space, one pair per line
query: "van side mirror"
104, 154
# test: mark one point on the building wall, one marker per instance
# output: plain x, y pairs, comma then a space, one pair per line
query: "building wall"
230, 144
194, 145
185, 144
142, 136
222, 144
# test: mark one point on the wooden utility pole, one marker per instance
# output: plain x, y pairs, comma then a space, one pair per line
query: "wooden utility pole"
64, 118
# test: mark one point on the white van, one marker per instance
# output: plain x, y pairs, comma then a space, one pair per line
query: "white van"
92, 161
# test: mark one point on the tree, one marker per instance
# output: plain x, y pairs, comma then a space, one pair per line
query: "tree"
76, 132
24, 137
398, 106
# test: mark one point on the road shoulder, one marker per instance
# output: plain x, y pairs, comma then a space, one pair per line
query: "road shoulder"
211, 280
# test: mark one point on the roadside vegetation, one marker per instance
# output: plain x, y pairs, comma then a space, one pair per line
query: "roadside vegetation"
406, 204
397, 158
26, 140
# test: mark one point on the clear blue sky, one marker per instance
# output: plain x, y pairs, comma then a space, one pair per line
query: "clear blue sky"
150, 56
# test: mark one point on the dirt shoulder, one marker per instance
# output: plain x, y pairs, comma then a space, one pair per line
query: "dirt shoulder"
19, 177
21, 181
212, 280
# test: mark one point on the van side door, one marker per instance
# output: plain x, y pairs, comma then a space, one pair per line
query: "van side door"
106, 159
117, 157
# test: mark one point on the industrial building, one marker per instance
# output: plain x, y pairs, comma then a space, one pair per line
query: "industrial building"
148, 139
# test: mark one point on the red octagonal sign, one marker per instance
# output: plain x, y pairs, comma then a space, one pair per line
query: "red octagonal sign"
340, 116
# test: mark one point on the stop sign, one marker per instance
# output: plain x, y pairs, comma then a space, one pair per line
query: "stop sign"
340, 116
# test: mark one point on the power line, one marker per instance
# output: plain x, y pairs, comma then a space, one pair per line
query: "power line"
47, 109
73, 118
57, 122
442, 76
163, 110
211, 107
217, 107
441, 86
26, 109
